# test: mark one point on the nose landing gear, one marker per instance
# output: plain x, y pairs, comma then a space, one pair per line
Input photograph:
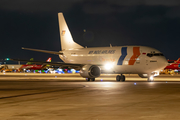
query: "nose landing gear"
120, 78
150, 78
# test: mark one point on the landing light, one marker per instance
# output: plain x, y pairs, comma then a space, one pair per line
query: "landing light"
108, 66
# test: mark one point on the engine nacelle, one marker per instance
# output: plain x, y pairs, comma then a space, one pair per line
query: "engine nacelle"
143, 75
90, 71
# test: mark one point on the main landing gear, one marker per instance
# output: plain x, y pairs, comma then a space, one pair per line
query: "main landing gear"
90, 79
120, 78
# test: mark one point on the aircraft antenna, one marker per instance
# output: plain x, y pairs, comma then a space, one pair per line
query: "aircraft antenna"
110, 45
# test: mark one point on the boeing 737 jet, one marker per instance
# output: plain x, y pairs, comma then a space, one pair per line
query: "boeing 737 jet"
141, 60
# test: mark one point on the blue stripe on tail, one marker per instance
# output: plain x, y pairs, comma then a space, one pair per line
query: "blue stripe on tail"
123, 55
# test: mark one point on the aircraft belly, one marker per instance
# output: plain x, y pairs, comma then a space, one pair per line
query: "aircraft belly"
124, 69
128, 69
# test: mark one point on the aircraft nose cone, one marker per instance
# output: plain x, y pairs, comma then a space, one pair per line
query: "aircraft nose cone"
162, 63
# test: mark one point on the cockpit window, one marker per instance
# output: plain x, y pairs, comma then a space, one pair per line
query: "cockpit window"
154, 54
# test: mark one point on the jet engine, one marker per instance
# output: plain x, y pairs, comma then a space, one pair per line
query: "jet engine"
143, 75
90, 71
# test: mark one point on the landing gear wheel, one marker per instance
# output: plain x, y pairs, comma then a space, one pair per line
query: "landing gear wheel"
122, 78
118, 78
92, 79
88, 79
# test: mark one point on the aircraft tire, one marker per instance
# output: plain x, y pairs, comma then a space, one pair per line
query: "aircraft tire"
123, 78
148, 79
118, 78
92, 79
88, 79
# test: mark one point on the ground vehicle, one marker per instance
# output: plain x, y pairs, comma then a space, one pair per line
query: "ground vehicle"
9, 67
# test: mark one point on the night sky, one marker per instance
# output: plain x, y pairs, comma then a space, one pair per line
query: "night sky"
93, 23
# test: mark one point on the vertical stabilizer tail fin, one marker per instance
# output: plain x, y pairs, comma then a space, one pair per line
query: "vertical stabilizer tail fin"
67, 41
178, 60
30, 63
49, 59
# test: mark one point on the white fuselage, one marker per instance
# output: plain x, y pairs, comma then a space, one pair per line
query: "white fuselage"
121, 59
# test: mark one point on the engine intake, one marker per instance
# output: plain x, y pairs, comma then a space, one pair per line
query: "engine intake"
90, 71
143, 75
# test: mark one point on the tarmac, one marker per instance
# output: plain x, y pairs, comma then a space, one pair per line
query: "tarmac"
60, 97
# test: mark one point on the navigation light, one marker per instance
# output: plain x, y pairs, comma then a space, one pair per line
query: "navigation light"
7, 59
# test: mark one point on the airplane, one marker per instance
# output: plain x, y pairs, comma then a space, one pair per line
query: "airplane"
20, 67
9, 67
142, 60
31, 66
173, 66
174, 61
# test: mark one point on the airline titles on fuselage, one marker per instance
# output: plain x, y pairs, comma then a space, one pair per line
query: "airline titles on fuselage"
102, 52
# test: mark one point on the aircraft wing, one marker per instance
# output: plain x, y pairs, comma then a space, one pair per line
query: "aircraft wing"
45, 51
61, 64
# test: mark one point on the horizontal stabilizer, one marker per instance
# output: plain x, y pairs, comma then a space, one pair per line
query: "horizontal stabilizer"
44, 51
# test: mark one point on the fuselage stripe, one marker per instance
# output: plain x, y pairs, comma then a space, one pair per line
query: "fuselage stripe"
123, 55
136, 53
